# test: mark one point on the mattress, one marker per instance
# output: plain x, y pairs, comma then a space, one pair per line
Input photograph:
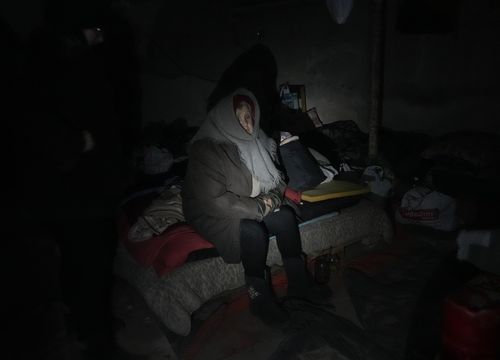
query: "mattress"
174, 297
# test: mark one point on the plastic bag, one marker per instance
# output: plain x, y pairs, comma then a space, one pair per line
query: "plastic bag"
340, 9
423, 206
378, 183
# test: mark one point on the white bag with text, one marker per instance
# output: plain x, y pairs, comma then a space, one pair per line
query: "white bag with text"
423, 206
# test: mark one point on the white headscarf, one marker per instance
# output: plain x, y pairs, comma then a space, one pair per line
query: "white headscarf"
257, 151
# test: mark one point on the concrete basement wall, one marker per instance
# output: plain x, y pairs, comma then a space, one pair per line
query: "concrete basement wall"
437, 83
331, 60
434, 83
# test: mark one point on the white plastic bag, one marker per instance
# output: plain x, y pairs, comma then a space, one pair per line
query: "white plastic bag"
378, 183
340, 9
423, 206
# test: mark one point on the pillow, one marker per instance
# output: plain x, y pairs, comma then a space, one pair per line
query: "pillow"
301, 168
164, 252
167, 251
180, 241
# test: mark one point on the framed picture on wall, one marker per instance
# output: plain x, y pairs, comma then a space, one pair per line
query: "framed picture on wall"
294, 96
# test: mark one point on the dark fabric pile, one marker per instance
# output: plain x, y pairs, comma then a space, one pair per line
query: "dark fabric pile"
314, 326
172, 136
344, 142
465, 161
351, 142
402, 150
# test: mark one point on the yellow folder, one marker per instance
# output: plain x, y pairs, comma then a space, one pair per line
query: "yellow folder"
333, 190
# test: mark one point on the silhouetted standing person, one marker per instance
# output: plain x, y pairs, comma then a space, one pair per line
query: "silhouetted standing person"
72, 171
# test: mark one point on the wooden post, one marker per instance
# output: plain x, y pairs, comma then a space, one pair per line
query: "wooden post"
377, 77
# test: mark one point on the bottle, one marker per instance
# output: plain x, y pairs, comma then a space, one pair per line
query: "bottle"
334, 262
322, 269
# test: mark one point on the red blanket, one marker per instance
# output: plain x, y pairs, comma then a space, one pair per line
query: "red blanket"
164, 252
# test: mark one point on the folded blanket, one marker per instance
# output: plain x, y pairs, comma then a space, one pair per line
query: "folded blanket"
163, 212
165, 240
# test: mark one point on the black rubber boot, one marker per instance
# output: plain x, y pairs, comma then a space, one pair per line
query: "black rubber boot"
263, 303
302, 285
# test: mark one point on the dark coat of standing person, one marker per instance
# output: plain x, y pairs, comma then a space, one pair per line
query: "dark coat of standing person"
256, 70
70, 170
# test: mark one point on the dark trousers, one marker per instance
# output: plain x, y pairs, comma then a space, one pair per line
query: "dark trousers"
66, 262
254, 240
87, 249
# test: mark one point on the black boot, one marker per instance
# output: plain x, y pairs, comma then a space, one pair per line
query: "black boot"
263, 303
301, 284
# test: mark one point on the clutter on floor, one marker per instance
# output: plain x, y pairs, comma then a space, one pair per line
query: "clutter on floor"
388, 304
